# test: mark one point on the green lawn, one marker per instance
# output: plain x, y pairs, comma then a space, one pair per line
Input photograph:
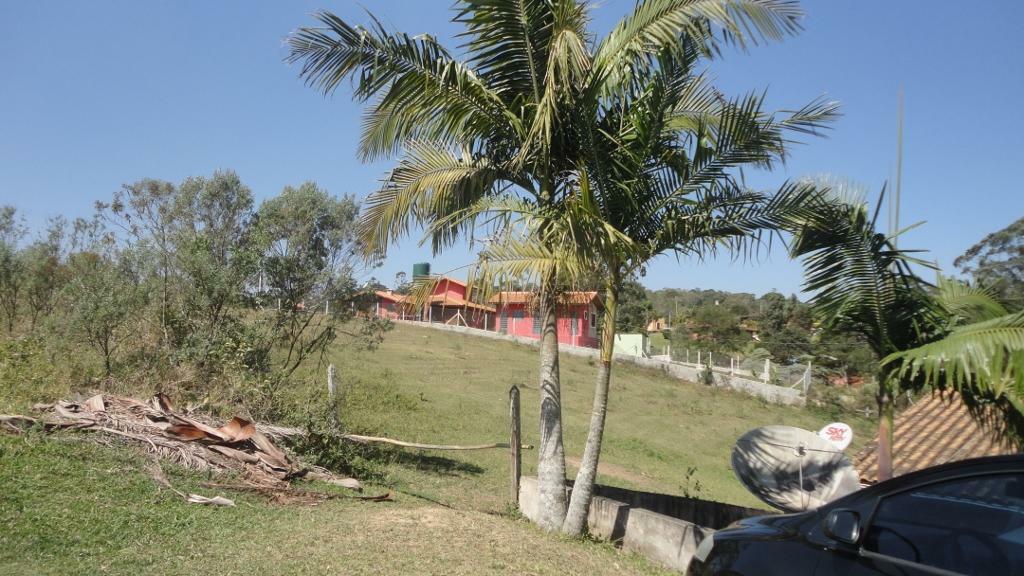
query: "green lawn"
70, 506
443, 387
73, 507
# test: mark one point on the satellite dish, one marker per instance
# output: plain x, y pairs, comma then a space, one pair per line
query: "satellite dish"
838, 433
792, 469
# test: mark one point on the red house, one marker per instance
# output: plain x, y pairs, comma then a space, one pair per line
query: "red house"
393, 306
447, 304
516, 313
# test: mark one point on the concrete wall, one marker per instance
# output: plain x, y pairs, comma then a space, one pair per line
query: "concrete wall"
681, 370
667, 540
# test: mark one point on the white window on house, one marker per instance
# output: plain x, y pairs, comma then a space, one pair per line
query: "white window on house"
573, 325
536, 323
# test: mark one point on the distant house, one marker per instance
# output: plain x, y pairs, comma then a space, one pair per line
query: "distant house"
657, 325
447, 304
937, 429
516, 313
392, 306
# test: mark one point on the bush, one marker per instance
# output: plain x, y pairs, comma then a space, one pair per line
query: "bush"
27, 374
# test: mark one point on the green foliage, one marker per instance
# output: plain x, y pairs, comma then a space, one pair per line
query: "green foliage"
998, 261
634, 309
103, 296
707, 375
12, 281
28, 374
789, 344
323, 445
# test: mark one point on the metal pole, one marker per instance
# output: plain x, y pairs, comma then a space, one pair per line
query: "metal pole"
330, 380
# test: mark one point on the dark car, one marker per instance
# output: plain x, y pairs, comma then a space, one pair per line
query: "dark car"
960, 518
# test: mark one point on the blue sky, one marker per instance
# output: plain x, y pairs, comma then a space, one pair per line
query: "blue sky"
97, 94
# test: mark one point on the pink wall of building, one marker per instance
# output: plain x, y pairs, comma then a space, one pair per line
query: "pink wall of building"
452, 288
576, 325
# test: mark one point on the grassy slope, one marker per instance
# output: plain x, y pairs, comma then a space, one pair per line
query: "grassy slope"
74, 507
451, 388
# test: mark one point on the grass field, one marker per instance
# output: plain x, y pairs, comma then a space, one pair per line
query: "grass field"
74, 507
663, 435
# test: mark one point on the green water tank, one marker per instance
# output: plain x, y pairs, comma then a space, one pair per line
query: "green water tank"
420, 269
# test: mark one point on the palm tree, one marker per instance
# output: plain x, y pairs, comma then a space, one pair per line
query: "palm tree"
661, 180
510, 121
863, 284
638, 195
980, 353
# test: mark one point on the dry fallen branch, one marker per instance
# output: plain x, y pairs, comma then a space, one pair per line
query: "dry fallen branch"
239, 446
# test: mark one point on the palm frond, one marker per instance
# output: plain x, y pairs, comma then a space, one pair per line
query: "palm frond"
656, 24
860, 281
984, 360
430, 183
508, 42
421, 91
966, 303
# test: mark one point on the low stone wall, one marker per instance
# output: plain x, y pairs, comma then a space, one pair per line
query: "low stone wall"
683, 371
624, 516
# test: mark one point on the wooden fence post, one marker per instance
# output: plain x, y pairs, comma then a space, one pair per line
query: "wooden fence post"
514, 443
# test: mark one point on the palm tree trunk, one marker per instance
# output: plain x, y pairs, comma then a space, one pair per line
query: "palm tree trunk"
551, 453
886, 414
583, 488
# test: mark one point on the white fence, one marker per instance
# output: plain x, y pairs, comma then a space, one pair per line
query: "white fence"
684, 371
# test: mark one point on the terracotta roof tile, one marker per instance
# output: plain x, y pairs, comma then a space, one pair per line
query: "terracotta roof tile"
935, 430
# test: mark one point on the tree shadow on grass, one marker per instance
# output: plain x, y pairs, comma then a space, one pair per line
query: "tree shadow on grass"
440, 465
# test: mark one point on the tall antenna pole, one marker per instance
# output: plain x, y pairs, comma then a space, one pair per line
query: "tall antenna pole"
895, 198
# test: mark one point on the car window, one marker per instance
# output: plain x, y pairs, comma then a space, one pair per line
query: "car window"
971, 526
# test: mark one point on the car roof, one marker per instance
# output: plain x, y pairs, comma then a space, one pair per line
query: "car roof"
999, 464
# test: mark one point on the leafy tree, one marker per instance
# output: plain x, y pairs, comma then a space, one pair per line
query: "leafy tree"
44, 272
214, 253
998, 261
774, 313
12, 280
306, 238
719, 328
844, 354
635, 310
145, 211
102, 295
12, 277
788, 344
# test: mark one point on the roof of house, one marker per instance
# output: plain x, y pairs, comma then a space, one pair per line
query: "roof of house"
435, 300
446, 300
936, 429
452, 281
564, 298
393, 296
